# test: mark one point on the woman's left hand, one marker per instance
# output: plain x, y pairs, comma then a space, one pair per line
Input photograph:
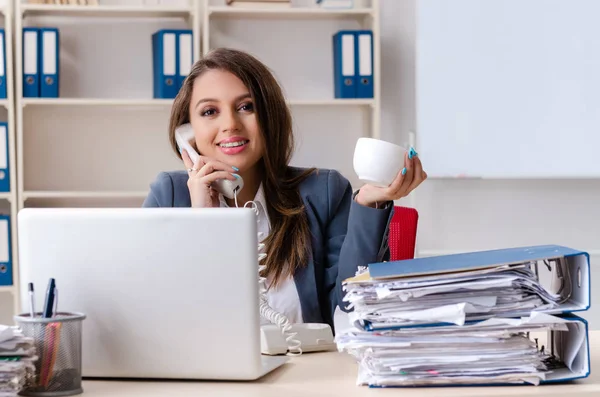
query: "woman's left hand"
405, 182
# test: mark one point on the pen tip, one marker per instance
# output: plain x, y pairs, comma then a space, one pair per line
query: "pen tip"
31, 287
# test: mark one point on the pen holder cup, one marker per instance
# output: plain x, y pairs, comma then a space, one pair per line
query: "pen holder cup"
58, 344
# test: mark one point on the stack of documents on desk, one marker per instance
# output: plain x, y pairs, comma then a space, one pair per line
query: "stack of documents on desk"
468, 318
17, 357
448, 298
496, 350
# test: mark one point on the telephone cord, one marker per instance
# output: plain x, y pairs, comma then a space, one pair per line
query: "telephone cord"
294, 345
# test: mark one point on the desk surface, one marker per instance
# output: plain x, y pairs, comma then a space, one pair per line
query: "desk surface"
332, 373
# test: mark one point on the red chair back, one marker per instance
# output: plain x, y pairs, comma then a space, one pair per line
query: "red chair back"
403, 233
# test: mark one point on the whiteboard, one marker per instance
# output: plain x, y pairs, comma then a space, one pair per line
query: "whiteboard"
508, 88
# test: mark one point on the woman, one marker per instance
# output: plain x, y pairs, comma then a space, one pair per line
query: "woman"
317, 231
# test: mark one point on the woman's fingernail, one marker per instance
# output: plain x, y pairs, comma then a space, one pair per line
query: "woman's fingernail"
235, 168
404, 171
236, 176
412, 153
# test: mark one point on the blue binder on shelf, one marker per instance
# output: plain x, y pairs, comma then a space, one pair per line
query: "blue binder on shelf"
165, 61
48, 50
185, 55
6, 272
4, 159
3, 91
344, 64
31, 71
364, 63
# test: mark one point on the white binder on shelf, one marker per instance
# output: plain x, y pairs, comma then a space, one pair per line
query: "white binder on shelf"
6, 273
186, 55
364, 58
48, 54
4, 156
3, 91
31, 73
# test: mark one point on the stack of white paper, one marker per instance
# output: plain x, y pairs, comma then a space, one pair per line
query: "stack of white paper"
468, 319
17, 357
492, 351
447, 298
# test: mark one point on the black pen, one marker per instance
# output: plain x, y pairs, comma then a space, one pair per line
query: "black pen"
31, 301
49, 304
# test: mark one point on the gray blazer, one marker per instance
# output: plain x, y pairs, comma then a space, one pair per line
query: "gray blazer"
344, 234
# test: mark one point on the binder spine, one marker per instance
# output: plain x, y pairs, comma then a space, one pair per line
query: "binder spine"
4, 159
364, 63
165, 63
48, 55
6, 272
185, 55
3, 82
31, 72
344, 67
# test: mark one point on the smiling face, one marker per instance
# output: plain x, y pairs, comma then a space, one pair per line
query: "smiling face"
224, 120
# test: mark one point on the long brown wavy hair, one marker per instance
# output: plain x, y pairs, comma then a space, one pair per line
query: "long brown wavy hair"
288, 243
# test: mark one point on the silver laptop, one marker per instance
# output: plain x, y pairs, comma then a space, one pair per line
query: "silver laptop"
168, 292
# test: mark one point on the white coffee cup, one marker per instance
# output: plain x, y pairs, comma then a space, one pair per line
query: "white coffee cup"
377, 162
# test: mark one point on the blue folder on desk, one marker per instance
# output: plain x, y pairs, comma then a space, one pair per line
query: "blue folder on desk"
572, 344
577, 262
575, 275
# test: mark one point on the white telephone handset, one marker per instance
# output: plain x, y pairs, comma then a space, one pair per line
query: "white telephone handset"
184, 135
280, 337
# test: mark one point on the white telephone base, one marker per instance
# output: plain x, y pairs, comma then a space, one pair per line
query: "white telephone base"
313, 337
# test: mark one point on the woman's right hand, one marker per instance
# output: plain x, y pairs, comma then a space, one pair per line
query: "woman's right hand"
201, 175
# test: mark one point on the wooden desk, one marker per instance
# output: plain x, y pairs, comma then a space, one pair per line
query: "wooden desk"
334, 374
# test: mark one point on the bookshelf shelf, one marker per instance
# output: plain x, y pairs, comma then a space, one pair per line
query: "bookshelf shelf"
169, 102
299, 12
95, 102
105, 11
7, 196
89, 194
332, 102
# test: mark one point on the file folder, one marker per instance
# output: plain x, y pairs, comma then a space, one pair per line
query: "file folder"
31, 74
577, 267
388, 287
6, 274
344, 64
570, 347
3, 92
49, 46
364, 63
185, 56
164, 65
4, 157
